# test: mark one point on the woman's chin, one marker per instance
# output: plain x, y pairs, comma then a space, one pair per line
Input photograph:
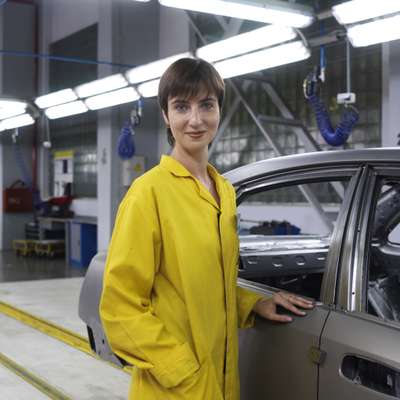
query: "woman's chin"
196, 145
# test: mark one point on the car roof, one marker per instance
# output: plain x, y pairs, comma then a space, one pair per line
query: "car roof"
382, 155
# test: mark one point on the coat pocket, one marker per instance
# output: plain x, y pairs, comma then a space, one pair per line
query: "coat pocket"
202, 385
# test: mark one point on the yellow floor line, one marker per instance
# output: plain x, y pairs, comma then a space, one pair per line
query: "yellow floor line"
55, 331
32, 379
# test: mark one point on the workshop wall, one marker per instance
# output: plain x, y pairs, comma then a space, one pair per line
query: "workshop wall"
17, 80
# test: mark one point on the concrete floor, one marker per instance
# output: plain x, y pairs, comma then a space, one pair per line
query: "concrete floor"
13, 268
44, 291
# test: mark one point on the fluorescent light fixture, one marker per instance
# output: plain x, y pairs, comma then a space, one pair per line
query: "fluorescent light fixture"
17, 122
103, 85
382, 30
10, 108
360, 10
114, 98
246, 42
267, 11
263, 59
149, 89
152, 70
53, 99
64, 110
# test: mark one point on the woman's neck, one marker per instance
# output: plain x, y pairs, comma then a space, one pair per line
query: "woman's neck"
196, 164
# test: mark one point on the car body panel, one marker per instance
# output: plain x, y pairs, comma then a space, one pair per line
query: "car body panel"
325, 159
279, 360
366, 338
271, 354
89, 301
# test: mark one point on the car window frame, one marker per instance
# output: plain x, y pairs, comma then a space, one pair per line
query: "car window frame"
304, 176
353, 298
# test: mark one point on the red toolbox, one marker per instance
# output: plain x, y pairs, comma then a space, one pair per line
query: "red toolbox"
17, 199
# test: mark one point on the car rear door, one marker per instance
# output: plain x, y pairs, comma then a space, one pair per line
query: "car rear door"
361, 337
281, 361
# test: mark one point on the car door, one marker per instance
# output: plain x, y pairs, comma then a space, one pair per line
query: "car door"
361, 337
282, 360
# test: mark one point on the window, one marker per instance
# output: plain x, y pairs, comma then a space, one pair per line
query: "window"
285, 234
384, 261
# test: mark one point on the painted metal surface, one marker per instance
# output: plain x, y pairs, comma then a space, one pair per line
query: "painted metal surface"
316, 357
357, 335
327, 159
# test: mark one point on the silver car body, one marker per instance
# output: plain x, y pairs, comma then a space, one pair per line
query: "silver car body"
339, 350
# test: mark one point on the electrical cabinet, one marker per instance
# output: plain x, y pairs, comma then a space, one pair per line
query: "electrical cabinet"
82, 242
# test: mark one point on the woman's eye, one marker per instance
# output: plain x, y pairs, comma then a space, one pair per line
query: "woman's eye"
181, 107
208, 106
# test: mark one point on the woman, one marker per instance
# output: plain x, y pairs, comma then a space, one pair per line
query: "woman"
170, 304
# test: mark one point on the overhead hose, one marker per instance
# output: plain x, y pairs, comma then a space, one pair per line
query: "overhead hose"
350, 116
333, 137
126, 145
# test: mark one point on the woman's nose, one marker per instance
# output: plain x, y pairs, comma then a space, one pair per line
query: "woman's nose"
195, 117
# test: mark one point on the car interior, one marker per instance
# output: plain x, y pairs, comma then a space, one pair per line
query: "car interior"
296, 262
384, 273
279, 246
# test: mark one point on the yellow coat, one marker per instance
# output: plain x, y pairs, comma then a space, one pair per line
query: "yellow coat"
170, 304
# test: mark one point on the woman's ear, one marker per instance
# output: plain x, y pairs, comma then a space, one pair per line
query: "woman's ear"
165, 118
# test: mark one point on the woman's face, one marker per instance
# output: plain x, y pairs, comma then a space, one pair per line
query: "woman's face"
193, 122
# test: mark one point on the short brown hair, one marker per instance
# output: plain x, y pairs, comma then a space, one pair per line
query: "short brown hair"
186, 77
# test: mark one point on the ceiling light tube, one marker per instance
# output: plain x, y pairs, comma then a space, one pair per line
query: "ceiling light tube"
11, 112
149, 89
267, 11
56, 98
114, 98
152, 70
9, 108
64, 110
380, 31
246, 42
263, 59
361, 10
103, 85
17, 122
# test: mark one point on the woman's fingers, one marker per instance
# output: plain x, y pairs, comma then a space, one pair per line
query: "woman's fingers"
287, 302
301, 302
279, 318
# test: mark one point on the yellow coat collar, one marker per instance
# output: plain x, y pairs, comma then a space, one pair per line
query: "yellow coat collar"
176, 168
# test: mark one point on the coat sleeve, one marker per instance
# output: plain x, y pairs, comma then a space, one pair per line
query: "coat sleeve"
246, 300
133, 331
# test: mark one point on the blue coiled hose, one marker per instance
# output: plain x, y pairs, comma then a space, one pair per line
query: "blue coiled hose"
126, 145
333, 137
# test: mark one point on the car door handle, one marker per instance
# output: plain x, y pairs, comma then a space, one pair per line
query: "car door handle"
372, 374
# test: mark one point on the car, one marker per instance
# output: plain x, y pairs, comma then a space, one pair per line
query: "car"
325, 226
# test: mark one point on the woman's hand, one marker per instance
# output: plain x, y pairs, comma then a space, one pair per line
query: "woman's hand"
266, 308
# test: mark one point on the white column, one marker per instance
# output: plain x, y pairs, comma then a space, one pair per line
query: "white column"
43, 85
390, 93
106, 187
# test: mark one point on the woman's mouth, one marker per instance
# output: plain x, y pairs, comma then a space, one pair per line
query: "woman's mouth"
195, 135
